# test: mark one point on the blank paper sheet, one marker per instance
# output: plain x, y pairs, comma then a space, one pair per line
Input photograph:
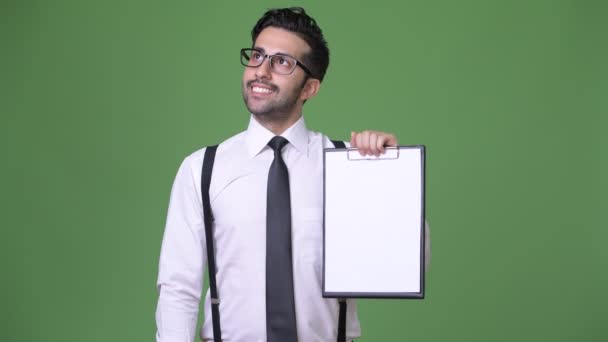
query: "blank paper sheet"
374, 223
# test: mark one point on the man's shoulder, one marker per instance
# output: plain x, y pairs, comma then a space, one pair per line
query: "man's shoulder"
323, 140
197, 156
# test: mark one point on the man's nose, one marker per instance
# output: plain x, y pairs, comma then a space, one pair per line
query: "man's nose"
263, 71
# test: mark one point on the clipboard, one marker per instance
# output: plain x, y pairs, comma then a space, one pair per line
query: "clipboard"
373, 223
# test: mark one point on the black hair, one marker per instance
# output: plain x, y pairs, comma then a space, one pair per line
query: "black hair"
295, 20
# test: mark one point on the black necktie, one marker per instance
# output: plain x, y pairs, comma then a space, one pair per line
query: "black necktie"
280, 306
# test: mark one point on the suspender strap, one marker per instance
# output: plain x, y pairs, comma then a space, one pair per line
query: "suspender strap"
342, 301
205, 182
338, 144
342, 321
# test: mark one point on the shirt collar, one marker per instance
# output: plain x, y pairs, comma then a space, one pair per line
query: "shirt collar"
257, 136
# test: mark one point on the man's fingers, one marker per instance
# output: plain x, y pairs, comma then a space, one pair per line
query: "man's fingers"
373, 144
391, 140
362, 143
380, 143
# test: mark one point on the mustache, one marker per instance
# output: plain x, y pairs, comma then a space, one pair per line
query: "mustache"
266, 83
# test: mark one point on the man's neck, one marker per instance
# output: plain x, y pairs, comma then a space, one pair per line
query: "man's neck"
277, 126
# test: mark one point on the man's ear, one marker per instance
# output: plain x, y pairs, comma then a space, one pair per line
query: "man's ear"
310, 89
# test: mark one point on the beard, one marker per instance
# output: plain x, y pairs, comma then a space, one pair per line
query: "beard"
278, 108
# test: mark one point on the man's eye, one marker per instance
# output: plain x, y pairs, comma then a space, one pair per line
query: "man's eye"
257, 55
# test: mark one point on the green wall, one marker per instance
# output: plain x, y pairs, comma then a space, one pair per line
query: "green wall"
101, 100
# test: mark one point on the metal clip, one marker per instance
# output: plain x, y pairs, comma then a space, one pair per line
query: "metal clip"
389, 153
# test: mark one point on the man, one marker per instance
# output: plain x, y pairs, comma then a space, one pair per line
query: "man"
283, 69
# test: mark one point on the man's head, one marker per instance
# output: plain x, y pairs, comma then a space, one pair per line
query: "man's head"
286, 64
295, 20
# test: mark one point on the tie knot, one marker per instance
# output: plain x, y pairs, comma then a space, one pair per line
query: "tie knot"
277, 143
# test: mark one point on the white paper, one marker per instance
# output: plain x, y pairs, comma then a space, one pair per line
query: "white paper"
373, 222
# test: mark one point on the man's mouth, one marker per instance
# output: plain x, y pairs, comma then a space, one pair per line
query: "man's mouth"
260, 90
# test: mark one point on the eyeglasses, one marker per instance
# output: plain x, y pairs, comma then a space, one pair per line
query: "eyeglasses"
280, 64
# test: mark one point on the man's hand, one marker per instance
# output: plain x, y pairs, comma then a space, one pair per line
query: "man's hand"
372, 142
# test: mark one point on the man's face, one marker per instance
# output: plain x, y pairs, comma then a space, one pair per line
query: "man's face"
269, 95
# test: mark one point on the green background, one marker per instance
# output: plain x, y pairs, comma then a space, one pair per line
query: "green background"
101, 100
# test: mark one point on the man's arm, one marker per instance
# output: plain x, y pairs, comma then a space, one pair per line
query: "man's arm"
182, 261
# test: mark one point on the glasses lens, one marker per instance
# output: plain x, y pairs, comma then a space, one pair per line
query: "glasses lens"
252, 58
282, 64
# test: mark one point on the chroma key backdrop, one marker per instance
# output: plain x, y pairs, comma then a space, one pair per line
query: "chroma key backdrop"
100, 101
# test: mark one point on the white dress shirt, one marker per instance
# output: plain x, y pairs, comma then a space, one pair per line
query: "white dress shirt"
238, 201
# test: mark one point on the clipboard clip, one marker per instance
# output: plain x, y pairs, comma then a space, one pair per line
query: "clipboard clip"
389, 153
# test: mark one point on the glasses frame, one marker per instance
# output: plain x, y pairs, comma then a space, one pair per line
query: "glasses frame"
269, 57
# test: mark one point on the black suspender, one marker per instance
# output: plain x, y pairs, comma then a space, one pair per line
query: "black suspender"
338, 144
205, 182
208, 161
342, 301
